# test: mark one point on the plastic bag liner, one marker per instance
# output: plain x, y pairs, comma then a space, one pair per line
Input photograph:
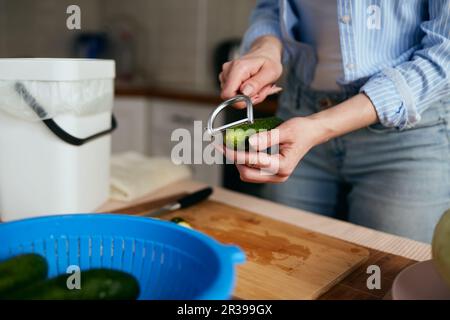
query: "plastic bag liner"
42, 100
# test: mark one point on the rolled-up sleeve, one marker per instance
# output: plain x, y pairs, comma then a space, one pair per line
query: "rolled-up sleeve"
264, 21
400, 94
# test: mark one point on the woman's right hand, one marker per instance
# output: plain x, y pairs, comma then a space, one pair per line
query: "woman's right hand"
255, 73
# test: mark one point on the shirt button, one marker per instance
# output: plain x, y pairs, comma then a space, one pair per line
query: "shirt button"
346, 19
351, 66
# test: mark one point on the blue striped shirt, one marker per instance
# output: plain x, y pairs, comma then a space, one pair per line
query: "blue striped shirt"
396, 51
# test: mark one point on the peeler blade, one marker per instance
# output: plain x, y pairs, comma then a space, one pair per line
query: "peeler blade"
249, 106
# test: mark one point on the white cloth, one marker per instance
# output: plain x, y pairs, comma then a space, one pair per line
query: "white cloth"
319, 28
134, 175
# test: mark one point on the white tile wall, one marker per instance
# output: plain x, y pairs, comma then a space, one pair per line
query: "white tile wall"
177, 43
226, 20
138, 16
175, 38
38, 28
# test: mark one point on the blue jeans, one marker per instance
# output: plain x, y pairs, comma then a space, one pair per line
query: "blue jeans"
378, 177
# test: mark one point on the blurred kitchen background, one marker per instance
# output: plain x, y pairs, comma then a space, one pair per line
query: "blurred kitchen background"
168, 55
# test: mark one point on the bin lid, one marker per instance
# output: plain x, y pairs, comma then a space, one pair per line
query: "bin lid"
55, 69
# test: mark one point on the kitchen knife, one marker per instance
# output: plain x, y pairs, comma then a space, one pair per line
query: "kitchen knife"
184, 202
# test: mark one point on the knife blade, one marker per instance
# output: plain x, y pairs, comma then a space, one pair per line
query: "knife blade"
184, 202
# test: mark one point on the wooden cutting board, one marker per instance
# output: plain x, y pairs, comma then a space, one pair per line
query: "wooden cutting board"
283, 261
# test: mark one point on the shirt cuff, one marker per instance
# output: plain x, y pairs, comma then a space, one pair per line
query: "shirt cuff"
392, 99
258, 29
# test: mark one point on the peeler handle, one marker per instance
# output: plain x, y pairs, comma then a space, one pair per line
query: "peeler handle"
223, 105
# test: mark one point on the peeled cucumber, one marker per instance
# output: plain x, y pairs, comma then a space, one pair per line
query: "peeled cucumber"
236, 138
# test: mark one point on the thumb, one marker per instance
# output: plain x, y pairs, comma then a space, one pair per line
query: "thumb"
265, 76
266, 139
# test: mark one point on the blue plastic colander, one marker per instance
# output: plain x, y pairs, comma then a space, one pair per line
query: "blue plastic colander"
169, 261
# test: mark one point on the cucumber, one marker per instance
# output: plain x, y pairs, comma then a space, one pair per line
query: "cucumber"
96, 284
21, 271
236, 137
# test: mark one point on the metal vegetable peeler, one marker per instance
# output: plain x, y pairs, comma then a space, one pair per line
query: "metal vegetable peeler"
223, 105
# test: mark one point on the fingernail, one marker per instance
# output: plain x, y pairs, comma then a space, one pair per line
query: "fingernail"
248, 90
253, 141
276, 90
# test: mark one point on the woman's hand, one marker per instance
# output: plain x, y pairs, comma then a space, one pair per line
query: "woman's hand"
255, 73
296, 137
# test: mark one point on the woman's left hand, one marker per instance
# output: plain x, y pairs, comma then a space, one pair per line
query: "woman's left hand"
294, 138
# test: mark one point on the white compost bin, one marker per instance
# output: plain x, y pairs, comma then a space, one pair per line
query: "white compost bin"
55, 124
